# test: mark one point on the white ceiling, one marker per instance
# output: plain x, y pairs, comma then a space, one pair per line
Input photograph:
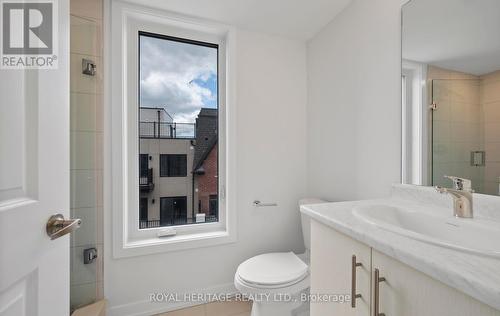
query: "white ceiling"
462, 35
298, 19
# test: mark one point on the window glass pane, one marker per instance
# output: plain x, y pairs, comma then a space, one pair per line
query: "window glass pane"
173, 211
163, 165
178, 140
177, 165
143, 209
143, 165
173, 165
213, 206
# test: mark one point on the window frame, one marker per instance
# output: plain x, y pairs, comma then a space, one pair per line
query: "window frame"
121, 159
416, 147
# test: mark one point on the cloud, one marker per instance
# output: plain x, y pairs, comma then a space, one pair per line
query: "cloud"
177, 76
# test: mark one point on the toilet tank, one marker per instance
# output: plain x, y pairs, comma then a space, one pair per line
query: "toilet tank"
306, 221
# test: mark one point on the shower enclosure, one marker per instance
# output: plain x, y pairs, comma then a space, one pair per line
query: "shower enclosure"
86, 152
462, 137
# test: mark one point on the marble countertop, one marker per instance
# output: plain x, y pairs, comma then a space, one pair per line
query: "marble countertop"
475, 275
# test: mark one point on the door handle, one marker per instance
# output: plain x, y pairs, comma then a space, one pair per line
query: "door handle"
57, 226
376, 293
354, 296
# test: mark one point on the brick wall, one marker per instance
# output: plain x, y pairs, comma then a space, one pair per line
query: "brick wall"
207, 183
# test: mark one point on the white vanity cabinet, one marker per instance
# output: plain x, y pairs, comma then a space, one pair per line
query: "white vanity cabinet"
404, 291
408, 292
332, 272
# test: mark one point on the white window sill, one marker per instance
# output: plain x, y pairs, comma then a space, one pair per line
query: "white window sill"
146, 246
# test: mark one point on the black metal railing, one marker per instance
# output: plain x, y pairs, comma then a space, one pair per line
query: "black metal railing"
146, 181
167, 130
174, 222
149, 224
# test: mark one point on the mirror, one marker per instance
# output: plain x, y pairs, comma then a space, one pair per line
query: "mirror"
451, 93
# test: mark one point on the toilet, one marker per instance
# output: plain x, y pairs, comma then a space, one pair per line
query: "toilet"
278, 282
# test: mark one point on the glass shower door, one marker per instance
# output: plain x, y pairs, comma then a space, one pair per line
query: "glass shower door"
457, 132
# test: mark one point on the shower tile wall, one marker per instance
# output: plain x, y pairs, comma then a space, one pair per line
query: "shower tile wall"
457, 126
468, 118
86, 150
490, 101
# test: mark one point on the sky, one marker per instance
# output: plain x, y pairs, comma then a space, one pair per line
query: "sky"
180, 77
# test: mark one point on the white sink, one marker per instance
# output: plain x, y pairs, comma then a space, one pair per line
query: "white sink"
471, 235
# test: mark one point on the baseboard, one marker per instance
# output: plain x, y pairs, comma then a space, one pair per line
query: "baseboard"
96, 309
148, 308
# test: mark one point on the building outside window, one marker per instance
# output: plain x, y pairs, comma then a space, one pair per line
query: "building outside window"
178, 130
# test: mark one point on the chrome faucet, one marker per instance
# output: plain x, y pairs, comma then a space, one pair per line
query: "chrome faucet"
462, 196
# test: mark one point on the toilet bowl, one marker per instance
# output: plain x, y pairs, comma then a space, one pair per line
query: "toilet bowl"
278, 282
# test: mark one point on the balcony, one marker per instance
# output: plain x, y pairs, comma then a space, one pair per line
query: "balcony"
146, 181
167, 130
178, 221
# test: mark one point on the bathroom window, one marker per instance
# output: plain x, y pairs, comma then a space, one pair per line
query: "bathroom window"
414, 118
169, 138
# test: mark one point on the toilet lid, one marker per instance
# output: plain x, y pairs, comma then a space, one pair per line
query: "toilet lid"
272, 268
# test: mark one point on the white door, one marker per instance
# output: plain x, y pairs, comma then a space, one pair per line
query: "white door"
34, 184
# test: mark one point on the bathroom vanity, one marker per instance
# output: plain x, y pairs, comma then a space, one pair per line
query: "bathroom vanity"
405, 255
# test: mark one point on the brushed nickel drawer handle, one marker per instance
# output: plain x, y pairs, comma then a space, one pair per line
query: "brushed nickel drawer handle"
57, 226
354, 296
376, 303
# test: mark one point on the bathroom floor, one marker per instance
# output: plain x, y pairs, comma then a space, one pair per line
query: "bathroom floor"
231, 308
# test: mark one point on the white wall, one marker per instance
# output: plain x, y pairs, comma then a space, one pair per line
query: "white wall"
354, 100
271, 166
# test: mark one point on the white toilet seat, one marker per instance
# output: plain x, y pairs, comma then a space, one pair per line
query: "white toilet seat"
272, 270
278, 275
268, 298
281, 288
297, 281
